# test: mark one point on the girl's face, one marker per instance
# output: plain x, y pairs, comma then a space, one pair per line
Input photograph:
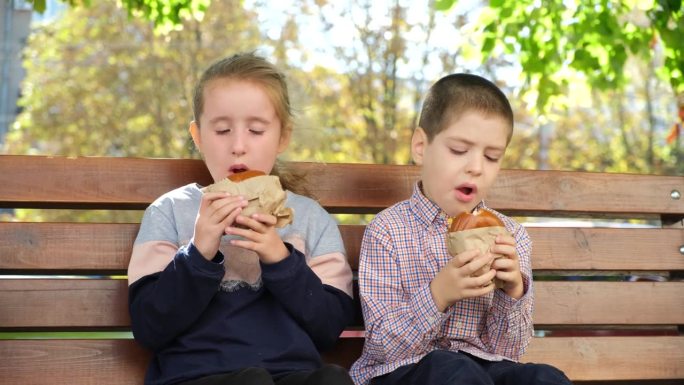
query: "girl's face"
238, 129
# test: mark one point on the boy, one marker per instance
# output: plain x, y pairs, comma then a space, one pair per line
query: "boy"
429, 320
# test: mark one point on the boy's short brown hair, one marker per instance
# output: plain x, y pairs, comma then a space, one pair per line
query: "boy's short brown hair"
453, 95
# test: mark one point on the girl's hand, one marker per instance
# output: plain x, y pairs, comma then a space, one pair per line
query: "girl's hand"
260, 236
455, 281
216, 212
508, 266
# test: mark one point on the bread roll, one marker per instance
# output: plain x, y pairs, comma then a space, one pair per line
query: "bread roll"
475, 231
480, 218
240, 176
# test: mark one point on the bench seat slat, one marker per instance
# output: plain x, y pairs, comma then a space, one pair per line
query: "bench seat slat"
37, 181
103, 303
122, 362
107, 246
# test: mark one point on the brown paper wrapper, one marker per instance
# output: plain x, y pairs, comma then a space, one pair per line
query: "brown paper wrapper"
481, 239
264, 194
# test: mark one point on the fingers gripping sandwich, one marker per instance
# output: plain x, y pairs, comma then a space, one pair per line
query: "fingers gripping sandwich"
263, 192
476, 230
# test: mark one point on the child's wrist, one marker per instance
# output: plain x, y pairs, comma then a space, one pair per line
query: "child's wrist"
278, 255
440, 302
515, 290
205, 251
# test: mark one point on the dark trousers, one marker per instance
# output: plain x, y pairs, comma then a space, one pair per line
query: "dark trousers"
326, 375
442, 367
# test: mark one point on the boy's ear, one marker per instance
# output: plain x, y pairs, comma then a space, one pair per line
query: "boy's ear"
195, 134
418, 143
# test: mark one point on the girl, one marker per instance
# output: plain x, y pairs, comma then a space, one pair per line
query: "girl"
221, 298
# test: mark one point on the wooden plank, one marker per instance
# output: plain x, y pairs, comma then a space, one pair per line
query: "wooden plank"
48, 303
36, 181
94, 182
616, 303
66, 246
95, 303
119, 362
107, 247
68, 362
611, 358
587, 248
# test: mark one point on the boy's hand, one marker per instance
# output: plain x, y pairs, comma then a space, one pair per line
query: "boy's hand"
217, 211
260, 236
508, 266
456, 281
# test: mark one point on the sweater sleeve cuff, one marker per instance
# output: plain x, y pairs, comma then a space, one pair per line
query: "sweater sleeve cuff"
285, 268
198, 262
428, 317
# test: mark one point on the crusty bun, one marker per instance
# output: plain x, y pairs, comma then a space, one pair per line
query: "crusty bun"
480, 218
240, 176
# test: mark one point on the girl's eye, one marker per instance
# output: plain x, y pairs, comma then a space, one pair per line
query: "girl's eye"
457, 151
492, 158
256, 132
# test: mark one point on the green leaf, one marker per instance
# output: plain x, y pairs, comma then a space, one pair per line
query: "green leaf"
38, 5
488, 45
496, 3
444, 5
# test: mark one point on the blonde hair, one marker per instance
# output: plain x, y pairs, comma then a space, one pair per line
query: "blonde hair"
249, 67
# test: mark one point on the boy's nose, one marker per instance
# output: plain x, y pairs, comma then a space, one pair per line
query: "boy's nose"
475, 163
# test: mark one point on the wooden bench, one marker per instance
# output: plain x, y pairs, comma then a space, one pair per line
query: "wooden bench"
609, 301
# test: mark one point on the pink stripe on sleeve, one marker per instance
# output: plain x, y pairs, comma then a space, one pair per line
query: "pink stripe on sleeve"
333, 269
150, 257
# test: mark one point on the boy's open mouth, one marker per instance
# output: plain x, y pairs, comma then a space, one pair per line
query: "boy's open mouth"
466, 190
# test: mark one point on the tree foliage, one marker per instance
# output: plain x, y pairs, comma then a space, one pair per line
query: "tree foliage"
166, 14
99, 83
592, 37
102, 83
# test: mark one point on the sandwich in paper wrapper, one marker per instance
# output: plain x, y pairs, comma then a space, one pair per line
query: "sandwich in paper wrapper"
475, 231
264, 194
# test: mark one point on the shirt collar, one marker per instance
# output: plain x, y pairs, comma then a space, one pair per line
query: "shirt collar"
427, 211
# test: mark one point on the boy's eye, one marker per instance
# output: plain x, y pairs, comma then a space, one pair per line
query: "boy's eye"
220, 131
492, 158
256, 131
457, 151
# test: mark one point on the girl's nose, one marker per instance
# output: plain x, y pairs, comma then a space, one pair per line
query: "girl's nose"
238, 145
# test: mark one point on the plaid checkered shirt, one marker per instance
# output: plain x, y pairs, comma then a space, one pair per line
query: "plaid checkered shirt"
403, 249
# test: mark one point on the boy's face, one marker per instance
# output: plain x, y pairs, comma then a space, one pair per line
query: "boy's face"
462, 162
239, 129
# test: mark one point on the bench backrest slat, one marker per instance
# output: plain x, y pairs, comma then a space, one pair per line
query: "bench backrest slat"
132, 183
101, 303
107, 247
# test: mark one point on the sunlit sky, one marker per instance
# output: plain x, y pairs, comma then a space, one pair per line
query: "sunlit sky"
320, 45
